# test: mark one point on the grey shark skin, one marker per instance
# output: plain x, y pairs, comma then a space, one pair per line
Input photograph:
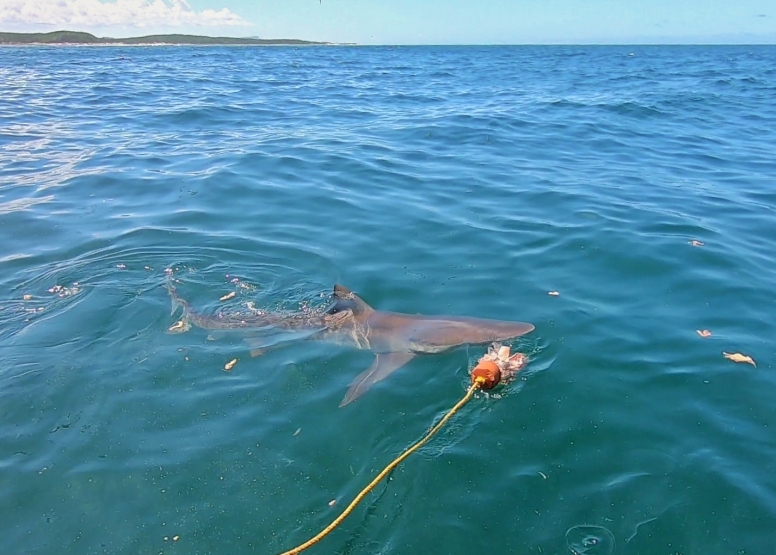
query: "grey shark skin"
395, 338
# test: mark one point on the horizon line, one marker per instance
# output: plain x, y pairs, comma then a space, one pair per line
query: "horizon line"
644, 41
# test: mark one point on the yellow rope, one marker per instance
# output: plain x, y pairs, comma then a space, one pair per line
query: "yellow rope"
396, 462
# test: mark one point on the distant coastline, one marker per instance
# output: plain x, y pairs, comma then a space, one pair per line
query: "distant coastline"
75, 37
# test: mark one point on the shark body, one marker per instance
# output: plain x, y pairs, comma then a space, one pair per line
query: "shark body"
394, 337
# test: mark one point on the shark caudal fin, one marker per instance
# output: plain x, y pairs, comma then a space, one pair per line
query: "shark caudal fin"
381, 368
176, 302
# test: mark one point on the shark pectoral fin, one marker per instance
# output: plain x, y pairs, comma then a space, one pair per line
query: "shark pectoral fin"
257, 345
384, 364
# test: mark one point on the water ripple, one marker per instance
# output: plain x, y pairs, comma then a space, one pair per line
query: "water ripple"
467, 181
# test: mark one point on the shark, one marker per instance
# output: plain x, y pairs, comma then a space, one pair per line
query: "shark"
394, 337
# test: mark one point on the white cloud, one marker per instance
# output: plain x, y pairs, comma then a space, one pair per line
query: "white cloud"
74, 14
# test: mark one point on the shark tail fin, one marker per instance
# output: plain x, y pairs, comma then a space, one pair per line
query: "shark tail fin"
183, 324
175, 300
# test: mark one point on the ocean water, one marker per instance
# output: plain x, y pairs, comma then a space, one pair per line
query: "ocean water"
453, 180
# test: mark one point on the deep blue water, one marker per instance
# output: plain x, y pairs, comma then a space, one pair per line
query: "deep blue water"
455, 180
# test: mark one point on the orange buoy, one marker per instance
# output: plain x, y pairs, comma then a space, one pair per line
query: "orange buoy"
487, 373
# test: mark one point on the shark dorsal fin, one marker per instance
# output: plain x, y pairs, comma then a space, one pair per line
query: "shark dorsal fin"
342, 292
344, 298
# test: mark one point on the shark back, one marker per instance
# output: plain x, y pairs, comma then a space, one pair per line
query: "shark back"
255, 321
434, 334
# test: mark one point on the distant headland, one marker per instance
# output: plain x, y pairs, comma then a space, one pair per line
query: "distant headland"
74, 37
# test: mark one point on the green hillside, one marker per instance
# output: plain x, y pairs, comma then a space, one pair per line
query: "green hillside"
74, 37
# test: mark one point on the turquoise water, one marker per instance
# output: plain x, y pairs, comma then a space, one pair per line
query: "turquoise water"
430, 180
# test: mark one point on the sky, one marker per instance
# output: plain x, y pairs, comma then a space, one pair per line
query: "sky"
411, 21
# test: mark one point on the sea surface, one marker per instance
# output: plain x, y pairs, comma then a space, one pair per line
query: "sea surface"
636, 184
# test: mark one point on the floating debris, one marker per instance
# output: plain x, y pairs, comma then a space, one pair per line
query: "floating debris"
228, 296
508, 365
229, 365
703, 333
179, 327
738, 357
